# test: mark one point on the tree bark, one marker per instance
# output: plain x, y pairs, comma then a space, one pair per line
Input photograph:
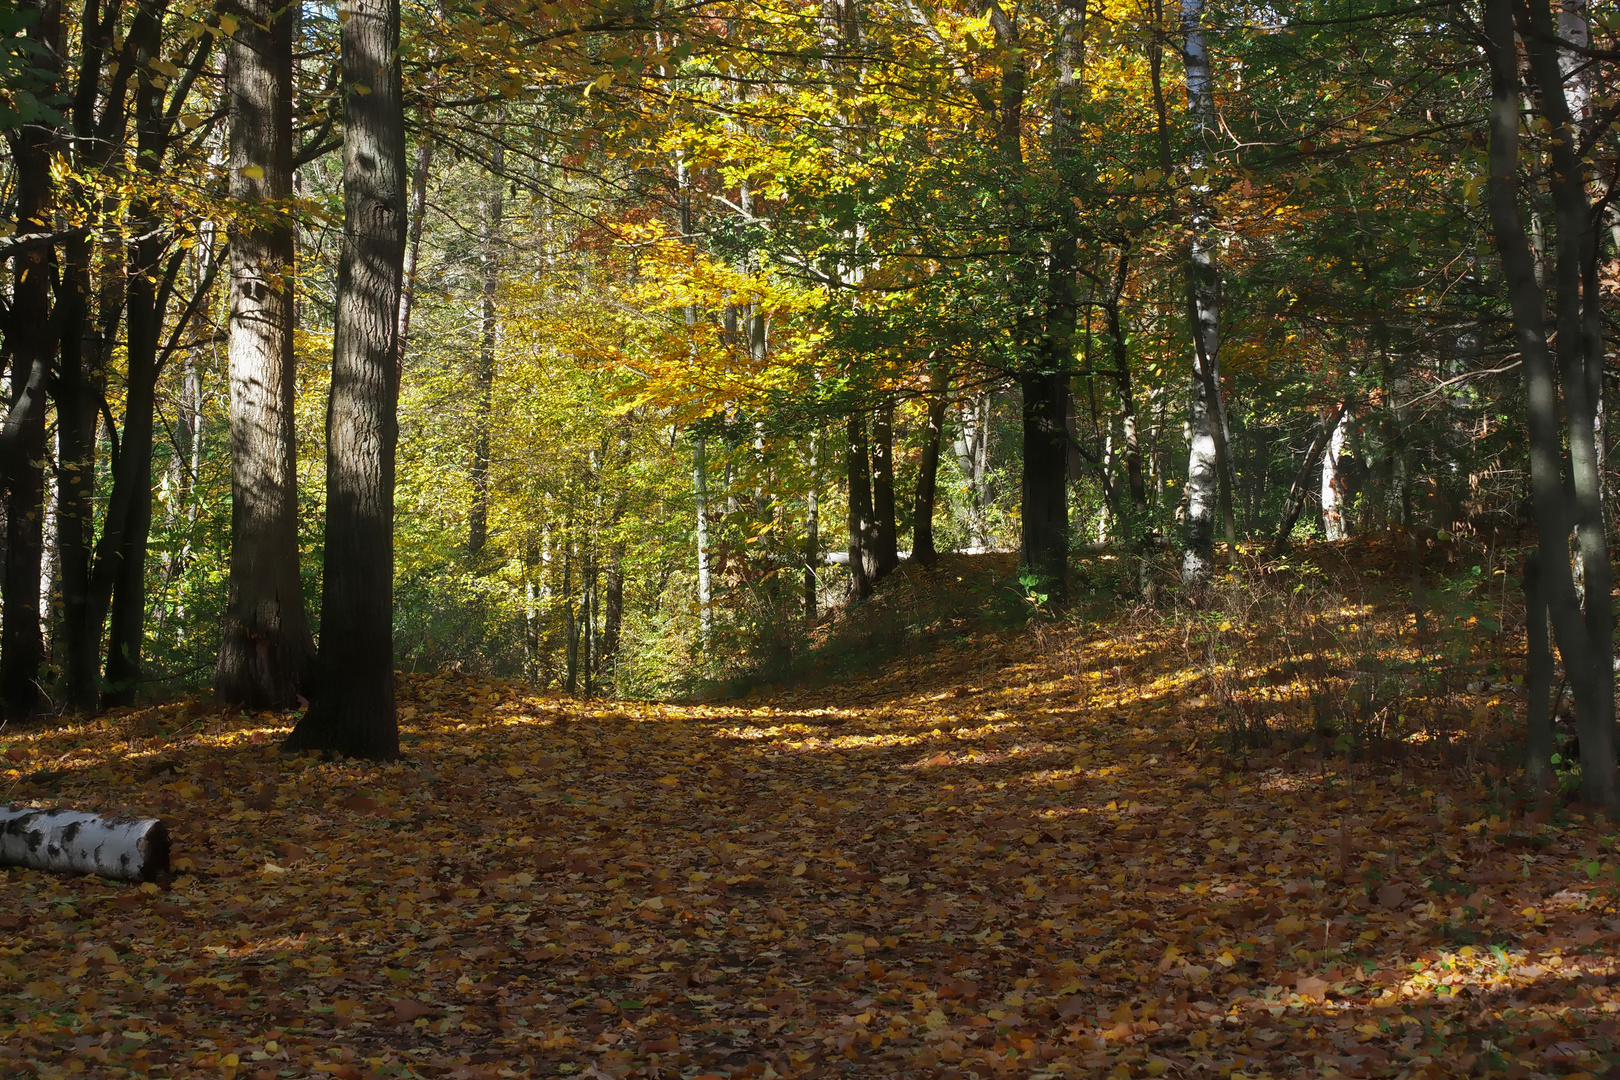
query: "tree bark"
700, 494
120, 574
885, 533
1584, 642
74, 842
922, 515
1333, 482
1538, 741
812, 530
1205, 458
484, 376
31, 341
1045, 502
353, 708
265, 646
862, 556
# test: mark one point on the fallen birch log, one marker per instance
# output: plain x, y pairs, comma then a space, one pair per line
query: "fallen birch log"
76, 842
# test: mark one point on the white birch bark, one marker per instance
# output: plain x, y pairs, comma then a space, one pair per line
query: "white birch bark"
75, 842
1332, 508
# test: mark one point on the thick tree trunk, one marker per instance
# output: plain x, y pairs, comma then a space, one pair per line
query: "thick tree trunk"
885, 533
1045, 502
353, 708
1296, 491
862, 557
1584, 641
80, 380
265, 647
922, 514
74, 842
484, 376
31, 341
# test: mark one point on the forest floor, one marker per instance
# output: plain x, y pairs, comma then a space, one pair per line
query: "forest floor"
1179, 842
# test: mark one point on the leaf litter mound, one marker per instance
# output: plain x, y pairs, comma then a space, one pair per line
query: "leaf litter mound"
1015, 856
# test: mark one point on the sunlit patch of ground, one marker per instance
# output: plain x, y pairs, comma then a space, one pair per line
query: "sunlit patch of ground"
1014, 856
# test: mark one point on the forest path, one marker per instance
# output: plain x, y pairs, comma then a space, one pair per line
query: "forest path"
1021, 855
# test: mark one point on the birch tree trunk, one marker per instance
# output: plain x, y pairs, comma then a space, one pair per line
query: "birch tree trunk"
265, 648
353, 708
1332, 483
75, 842
700, 495
1205, 422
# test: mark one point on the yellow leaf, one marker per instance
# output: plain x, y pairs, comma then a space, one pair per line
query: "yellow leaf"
253, 172
227, 25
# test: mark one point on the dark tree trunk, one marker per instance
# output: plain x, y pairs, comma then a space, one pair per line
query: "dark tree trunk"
120, 573
1045, 503
31, 341
86, 341
885, 531
484, 376
1538, 742
1296, 491
922, 516
1584, 641
265, 647
353, 708
79, 387
1127, 395
613, 615
862, 556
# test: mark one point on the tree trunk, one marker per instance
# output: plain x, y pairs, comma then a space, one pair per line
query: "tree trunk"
1296, 491
1538, 742
80, 382
613, 616
1045, 503
31, 341
812, 530
353, 708
1333, 482
265, 646
413, 246
484, 377
1585, 643
700, 493
862, 539
885, 533
1127, 396
1205, 458
75, 842
922, 515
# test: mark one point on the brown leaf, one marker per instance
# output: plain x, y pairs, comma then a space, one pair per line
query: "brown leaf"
407, 1010
1312, 987
1391, 895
